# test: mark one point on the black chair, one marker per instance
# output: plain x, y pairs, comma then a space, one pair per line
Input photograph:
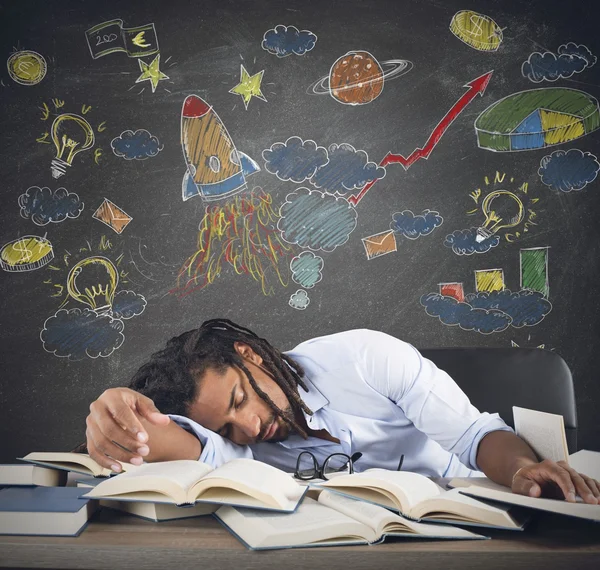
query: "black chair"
496, 379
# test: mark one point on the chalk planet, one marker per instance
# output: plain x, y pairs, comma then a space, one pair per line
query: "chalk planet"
356, 78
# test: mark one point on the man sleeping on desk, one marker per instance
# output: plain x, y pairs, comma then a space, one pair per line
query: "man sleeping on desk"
220, 392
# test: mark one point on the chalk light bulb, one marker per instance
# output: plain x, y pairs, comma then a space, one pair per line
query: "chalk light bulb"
502, 209
71, 135
93, 282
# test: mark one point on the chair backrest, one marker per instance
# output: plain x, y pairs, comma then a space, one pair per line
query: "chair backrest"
496, 379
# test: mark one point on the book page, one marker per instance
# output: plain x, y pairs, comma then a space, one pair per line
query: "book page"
257, 475
312, 522
582, 510
586, 462
545, 433
410, 488
160, 476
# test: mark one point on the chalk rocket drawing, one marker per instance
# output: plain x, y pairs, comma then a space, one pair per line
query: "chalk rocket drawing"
215, 168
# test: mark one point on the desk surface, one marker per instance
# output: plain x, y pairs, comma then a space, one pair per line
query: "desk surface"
115, 540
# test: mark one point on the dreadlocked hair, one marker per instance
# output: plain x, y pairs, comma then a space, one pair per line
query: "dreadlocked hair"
170, 377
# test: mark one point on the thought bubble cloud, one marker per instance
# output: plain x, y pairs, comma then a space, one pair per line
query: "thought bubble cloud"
137, 145
568, 170
43, 206
287, 40
316, 220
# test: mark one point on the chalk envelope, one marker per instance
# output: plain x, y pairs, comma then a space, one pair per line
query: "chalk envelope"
379, 244
215, 168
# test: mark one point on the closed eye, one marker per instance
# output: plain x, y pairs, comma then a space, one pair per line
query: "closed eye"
239, 404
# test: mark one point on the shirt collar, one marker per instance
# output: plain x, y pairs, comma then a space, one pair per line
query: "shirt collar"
314, 399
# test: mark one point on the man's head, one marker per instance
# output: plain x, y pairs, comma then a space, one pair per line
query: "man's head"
227, 379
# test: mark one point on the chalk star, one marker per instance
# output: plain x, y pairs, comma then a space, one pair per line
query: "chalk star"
249, 87
151, 72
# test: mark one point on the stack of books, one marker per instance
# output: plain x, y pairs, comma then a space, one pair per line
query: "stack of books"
261, 505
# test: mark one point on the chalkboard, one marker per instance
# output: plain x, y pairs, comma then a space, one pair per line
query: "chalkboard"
428, 169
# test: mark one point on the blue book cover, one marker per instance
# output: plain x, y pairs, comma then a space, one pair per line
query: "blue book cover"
60, 511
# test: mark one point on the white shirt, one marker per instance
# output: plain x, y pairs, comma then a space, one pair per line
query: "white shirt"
377, 395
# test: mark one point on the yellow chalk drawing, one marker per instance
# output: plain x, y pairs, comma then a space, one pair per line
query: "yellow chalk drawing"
93, 282
101, 126
489, 280
26, 254
249, 86
476, 30
97, 155
71, 135
44, 138
45, 112
26, 67
58, 103
85, 109
241, 234
502, 210
139, 40
560, 127
151, 72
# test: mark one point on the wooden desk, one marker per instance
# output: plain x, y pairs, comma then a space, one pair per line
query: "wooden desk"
114, 540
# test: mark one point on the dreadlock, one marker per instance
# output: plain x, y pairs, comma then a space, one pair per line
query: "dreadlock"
170, 377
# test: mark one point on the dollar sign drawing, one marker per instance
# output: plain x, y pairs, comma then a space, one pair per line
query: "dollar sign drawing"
26, 253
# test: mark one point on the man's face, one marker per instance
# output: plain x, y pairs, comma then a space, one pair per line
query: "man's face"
227, 404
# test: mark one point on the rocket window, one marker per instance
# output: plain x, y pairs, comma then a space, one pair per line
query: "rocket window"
214, 163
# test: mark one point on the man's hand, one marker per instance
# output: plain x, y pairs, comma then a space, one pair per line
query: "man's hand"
114, 430
556, 480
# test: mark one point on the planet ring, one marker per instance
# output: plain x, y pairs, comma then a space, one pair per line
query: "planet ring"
395, 68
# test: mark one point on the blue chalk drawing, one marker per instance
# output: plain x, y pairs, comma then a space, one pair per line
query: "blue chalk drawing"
287, 40
77, 333
412, 227
128, 304
579, 50
43, 206
568, 170
137, 145
295, 159
299, 300
316, 220
486, 312
547, 66
307, 269
348, 169
463, 242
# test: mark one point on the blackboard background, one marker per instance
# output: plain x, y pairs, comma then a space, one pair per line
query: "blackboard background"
44, 399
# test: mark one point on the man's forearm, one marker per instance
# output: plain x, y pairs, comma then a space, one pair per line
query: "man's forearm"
170, 442
501, 454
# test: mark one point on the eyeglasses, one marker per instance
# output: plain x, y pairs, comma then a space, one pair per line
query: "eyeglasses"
307, 466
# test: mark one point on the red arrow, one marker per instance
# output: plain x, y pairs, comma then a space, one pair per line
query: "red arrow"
476, 87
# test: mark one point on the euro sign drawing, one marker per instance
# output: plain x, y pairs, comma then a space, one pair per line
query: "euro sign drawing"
140, 41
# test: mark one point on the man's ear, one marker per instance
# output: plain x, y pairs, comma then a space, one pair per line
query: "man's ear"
247, 353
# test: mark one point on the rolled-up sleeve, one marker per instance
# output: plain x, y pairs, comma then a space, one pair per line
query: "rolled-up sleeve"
216, 450
429, 397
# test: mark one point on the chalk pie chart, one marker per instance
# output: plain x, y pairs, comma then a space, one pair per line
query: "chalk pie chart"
536, 119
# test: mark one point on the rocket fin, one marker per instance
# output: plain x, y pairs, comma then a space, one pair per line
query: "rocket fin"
188, 187
249, 166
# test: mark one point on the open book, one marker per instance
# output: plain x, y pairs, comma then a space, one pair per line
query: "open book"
415, 496
156, 512
482, 487
243, 482
331, 520
68, 461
